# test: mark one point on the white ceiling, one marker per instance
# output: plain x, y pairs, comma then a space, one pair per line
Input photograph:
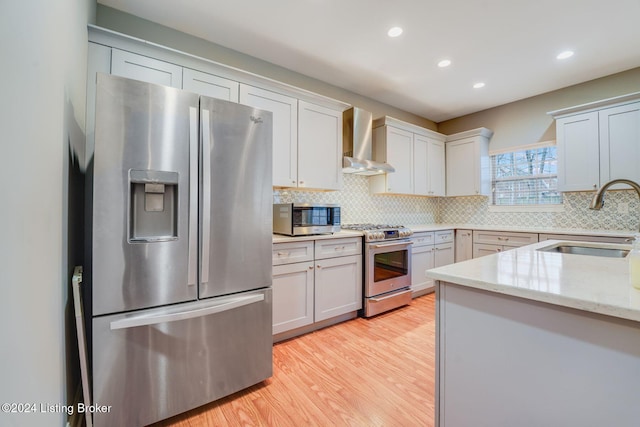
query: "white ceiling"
511, 45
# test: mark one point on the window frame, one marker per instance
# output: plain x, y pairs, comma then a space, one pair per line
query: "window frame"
544, 207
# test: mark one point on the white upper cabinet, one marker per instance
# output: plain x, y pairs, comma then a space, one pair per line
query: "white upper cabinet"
420, 165
416, 153
435, 167
468, 166
210, 85
319, 147
139, 67
285, 131
598, 142
578, 157
620, 143
394, 146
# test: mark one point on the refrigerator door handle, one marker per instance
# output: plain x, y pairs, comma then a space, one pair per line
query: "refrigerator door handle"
193, 197
206, 195
154, 319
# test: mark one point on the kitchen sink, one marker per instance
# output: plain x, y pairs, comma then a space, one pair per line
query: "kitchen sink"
578, 249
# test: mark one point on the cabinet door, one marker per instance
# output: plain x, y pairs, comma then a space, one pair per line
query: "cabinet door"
435, 168
461, 168
620, 143
464, 245
422, 259
338, 286
578, 152
285, 131
319, 147
138, 67
292, 296
444, 254
210, 85
420, 165
399, 155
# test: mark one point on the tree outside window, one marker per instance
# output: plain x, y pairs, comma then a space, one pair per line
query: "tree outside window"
526, 177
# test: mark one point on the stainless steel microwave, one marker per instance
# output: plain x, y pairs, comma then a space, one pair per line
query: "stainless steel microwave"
301, 219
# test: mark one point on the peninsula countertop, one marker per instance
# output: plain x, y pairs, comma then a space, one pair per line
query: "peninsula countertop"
590, 283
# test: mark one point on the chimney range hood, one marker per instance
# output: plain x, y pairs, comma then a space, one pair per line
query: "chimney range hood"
357, 144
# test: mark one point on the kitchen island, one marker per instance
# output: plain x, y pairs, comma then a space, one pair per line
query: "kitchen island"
533, 338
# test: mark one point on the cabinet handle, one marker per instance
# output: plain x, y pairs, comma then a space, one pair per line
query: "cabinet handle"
283, 253
499, 250
339, 248
301, 182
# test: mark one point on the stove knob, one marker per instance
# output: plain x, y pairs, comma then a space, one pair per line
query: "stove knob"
380, 235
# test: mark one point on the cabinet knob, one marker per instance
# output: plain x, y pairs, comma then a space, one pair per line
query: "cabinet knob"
311, 267
595, 185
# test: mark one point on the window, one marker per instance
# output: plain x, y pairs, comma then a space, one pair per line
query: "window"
525, 177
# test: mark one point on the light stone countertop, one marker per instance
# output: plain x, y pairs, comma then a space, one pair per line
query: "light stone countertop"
589, 283
416, 228
280, 238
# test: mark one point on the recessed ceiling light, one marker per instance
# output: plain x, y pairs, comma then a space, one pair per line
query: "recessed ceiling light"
444, 63
564, 55
478, 85
394, 32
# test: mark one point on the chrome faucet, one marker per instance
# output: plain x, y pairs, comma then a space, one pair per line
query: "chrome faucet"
598, 199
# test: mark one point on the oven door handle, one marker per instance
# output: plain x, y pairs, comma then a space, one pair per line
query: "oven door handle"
388, 245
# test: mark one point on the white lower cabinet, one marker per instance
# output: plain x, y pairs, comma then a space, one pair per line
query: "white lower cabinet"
490, 242
292, 296
429, 250
315, 282
464, 245
336, 286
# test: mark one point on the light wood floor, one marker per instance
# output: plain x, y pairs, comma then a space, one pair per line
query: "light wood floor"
363, 372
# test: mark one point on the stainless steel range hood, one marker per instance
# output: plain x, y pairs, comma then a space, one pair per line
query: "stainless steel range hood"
357, 144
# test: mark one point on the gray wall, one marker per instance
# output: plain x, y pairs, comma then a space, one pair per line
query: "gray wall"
526, 121
128, 24
43, 45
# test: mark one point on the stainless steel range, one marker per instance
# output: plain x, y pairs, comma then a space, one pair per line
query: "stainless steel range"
387, 266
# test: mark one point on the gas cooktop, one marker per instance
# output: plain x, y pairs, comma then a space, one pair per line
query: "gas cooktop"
378, 232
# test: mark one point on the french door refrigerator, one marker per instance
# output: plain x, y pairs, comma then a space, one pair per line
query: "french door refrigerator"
179, 262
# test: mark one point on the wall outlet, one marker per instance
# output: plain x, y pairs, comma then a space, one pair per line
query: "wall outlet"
623, 208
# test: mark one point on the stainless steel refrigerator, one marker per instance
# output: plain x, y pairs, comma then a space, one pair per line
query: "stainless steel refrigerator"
179, 260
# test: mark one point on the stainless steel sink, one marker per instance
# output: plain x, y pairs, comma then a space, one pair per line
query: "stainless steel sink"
578, 249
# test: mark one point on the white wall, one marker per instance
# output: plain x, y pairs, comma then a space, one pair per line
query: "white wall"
43, 45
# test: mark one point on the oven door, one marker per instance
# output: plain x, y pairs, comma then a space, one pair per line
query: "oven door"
388, 267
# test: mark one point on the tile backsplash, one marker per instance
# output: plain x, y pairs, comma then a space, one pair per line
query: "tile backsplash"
620, 212
358, 206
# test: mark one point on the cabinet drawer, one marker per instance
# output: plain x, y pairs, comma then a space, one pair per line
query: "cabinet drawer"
331, 248
504, 238
444, 236
290, 252
422, 239
480, 249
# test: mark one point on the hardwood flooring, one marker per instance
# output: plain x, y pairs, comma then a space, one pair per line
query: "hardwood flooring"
363, 372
